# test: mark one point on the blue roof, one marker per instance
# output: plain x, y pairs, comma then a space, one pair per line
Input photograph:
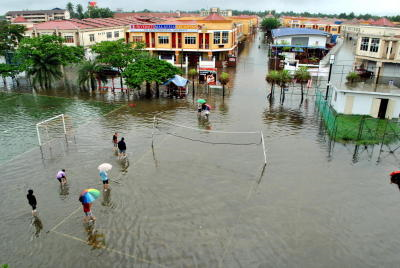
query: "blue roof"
296, 31
299, 46
178, 81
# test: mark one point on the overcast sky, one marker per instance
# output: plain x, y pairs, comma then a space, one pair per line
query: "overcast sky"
382, 7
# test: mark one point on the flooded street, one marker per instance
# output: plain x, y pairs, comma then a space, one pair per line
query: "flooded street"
197, 199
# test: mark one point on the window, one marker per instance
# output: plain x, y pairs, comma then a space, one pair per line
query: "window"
163, 39
364, 43
109, 34
69, 39
136, 39
116, 34
374, 45
190, 40
322, 28
225, 37
334, 29
217, 37
91, 37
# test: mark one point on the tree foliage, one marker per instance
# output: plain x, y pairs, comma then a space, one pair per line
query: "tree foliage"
118, 54
88, 72
148, 70
10, 36
43, 56
269, 24
302, 76
352, 77
91, 12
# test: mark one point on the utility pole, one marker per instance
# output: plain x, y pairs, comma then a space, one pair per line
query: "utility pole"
331, 62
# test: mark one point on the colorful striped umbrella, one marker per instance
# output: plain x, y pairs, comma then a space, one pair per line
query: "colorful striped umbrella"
89, 195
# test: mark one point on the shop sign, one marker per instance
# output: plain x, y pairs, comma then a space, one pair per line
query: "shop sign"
164, 28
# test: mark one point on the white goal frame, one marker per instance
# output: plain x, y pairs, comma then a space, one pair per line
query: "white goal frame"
48, 120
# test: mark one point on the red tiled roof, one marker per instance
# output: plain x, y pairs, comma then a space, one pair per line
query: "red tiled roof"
60, 25
383, 22
214, 17
150, 14
19, 19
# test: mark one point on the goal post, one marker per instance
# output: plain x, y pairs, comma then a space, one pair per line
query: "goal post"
45, 124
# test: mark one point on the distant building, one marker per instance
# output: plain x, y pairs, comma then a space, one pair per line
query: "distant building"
84, 32
37, 16
216, 10
332, 26
377, 47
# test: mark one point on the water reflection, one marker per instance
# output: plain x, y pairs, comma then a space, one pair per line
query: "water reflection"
107, 198
64, 191
95, 238
37, 224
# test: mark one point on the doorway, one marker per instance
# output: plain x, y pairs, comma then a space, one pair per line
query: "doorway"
382, 108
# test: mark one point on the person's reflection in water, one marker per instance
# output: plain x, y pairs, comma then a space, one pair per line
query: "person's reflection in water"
64, 191
106, 198
94, 238
37, 223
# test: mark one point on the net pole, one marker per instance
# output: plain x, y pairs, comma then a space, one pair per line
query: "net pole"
39, 140
65, 129
263, 145
152, 132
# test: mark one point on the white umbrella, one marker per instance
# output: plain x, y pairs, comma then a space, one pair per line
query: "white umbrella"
105, 167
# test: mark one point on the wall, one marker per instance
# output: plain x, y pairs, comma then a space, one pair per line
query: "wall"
311, 42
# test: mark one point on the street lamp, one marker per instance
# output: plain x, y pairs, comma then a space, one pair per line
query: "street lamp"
331, 62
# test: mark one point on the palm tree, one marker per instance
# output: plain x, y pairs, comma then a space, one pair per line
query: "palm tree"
224, 79
88, 73
284, 79
302, 76
272, 78
193, 73
45, 69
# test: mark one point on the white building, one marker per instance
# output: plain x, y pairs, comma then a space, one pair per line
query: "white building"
216, 10
382, 103
300, 37
84, 32
37, 16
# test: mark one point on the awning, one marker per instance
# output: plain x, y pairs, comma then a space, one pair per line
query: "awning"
178, 80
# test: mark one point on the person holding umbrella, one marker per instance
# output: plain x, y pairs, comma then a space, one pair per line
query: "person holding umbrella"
103, 168
86, 198
395, 178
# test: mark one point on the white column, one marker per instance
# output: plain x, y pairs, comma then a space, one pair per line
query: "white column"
389, 49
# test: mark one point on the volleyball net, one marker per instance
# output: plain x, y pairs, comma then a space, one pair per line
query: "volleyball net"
233, 150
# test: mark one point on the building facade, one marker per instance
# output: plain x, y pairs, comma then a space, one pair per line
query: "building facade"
38, 16
216, 10
331, 26
206, 38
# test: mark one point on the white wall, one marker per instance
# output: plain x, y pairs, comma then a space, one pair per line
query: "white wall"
312, 41
362, 104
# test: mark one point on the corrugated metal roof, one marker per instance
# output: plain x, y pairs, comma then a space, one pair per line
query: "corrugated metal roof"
296, 31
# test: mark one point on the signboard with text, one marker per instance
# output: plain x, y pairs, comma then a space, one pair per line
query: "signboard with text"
187, 28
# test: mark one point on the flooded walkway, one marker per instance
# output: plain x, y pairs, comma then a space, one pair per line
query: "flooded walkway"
190, 203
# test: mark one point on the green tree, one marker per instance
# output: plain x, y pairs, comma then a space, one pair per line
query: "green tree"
9, 70
302, 76
79, 12
88, 72
10, 36
149, 70
193, 74
269, 24
284, 79
118, 54
43, 56
98, 12
70, 9
224, 79
272, 78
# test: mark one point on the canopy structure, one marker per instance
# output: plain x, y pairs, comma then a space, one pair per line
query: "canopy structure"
178, 80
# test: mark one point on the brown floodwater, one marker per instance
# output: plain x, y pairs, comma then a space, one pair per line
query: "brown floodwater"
197, 199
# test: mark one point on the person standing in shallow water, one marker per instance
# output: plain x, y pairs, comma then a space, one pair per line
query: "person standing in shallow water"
122, 148
32, 201
62, 177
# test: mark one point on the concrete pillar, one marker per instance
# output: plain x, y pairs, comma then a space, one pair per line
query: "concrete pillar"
378, 71
389, 49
